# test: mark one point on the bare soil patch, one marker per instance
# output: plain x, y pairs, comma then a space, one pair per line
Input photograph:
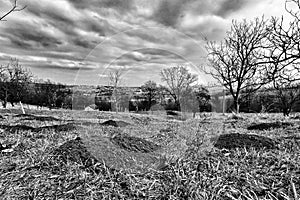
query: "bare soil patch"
236, 140
270, 125
134, 144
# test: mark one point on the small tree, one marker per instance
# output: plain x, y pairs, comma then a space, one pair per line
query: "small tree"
115, 80
15, 82
236, 61
14, 8
151, 92
178, 80
203, 98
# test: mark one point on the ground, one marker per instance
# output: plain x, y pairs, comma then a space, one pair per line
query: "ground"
62, 154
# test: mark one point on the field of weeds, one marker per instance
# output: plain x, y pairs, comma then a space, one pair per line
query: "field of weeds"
102, 155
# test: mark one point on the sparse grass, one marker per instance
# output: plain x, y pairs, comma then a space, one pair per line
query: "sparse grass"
187, 165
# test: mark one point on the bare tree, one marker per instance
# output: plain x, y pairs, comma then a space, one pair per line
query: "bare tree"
14, 8
115, 80
283, 55
178, 80
236, 61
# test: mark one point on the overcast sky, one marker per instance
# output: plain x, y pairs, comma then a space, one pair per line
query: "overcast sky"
80, 41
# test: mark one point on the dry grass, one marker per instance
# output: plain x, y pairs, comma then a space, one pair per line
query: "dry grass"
183, 165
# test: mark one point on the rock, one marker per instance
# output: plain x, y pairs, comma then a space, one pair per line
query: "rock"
236, 140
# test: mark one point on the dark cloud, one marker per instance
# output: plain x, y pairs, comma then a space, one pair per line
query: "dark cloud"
29, 36
50, 14
229, 6
61, 67
169, 11
150, 37
85, 43
121, 5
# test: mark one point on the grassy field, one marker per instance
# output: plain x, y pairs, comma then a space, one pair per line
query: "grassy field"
101, 155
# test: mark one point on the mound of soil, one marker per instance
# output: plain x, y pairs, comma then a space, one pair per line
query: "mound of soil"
15, 128
236, 140
134, 144
172, 113
37, 117
58, 128
115, 123
267, 126
75, 151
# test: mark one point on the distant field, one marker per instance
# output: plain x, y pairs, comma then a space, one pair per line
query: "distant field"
103, 155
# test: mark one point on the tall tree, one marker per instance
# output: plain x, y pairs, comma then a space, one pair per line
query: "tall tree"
178, 80
14, 8
236, 61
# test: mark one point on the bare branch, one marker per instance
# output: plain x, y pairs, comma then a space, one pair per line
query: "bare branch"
15, 8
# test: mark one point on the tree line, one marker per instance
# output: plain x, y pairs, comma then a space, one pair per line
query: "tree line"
18, 84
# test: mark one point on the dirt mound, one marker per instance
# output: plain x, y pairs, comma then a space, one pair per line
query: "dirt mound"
267, 126
134, 144
15, 128
236, 140
172, 113
115, 123
75, 151
37, 117
58, 128
19, 127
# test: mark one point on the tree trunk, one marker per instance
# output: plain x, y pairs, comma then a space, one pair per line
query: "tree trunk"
4, 104
236, 104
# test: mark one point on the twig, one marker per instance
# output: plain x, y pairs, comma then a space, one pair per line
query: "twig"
15, 8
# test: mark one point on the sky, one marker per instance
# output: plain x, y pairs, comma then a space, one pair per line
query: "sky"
82, 41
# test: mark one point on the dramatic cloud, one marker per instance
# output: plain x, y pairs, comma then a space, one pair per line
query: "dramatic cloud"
76, 41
